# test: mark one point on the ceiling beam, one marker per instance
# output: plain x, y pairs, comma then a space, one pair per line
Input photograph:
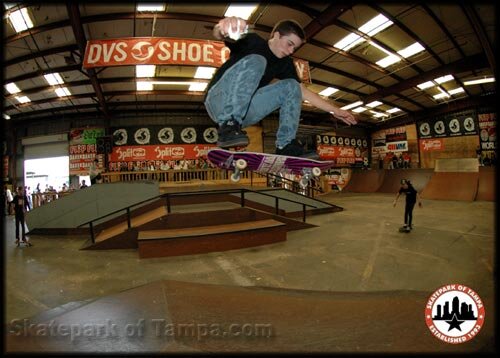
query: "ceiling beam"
481, 34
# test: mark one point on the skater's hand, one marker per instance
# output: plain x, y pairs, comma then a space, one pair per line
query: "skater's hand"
232, 27
345, 116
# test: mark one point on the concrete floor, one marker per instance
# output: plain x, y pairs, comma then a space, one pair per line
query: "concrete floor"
359, 249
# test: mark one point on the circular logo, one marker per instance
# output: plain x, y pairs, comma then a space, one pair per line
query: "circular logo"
142, 51
120, 136
166, 135
424, 129
325, 139
318, 139
142, 136
439, 127
210, 135
358, 142
333, 140
469, 124
454, 313
365, 143
454, 125
340, 141
188, 135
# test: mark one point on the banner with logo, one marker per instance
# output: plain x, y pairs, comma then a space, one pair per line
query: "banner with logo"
488, 131
5, 174
165, 51
82, 149
148, 135
458, 124
345, 151
428, 145
159, 152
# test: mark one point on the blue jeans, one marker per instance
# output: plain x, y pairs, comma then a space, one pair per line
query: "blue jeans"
235, 95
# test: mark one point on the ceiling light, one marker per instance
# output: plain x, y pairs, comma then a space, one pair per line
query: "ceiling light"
144, 86
204, 72
389, 60
63, 92
12, 88
359, 109
441, 95
411, 50
328, 91
444, 79
349, 42
393, 110
374, 104
23, 99
241, 11
380, 48
378, 114
145, 70
425, 85
21, 20
198, 86
479, 81
150, 7
54, 79
375, 25
352, 105
6, 116
456, 90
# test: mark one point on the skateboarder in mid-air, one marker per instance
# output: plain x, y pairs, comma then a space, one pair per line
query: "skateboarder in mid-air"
411, 199
243, 91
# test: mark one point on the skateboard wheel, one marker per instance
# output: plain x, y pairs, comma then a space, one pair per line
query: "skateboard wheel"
241, 164
235, 178
316, 171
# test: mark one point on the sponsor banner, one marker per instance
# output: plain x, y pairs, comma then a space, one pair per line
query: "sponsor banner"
396, 134
5, 173
427, 145
339, 178
164, 51
82, 149
342, 156
487, 131
164, 135
159, 152
460, 124
397, 146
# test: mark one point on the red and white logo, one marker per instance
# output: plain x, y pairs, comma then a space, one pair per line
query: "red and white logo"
454, 313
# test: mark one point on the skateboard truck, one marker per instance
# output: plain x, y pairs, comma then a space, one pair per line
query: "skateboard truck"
307, 175
239, 166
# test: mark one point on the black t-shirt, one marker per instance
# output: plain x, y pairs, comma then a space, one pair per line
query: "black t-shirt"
279, 68
20, 202
411, 194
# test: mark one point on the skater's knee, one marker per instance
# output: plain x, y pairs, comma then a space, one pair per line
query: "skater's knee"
292, 87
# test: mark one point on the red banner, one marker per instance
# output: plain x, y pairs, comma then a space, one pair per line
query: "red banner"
427, 145
165, 51
5, 167
159, 152
331, 152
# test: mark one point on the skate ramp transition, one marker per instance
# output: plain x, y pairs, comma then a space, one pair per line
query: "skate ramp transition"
87, 204
486, 186
392, 179
365, 181
453, 179
174, 316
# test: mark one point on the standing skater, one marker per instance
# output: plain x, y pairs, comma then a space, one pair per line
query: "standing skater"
411, 199
21, 205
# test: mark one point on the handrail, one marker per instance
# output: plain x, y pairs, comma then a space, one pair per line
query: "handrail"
242, 192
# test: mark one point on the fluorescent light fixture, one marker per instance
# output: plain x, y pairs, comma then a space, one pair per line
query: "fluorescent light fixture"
479, 81
239, 10
328, 91
393, 110
6, 116
411, 50
144, 86
444, 79
456, 90
375, 25
204, 72
359, 109
349, 42
425, 85
378, 114
12, 88
389, 60
441, 95
352, 105
380, 48
145, 70
54, 79
198, 86
150, 7
23, 99
63, 92
21, 20
9, 5
374, 104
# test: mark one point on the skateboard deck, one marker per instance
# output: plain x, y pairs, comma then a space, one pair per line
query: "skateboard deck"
267, 163
404, 229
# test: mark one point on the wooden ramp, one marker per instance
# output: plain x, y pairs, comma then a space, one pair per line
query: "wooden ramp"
452, 186
203, 239
392, 179
486, 185
365, 181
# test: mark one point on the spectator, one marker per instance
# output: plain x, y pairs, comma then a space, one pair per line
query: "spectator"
20, 207
8, 200
406, 160
83, 185
94, 172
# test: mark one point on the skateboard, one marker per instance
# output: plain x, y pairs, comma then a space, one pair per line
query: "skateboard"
404, 229
265, 163
21, 242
